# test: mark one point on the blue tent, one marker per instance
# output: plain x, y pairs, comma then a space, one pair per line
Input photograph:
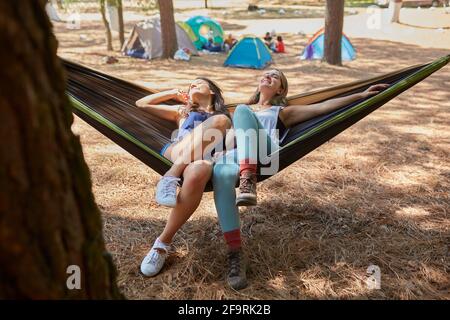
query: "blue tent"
249, 52
315, 47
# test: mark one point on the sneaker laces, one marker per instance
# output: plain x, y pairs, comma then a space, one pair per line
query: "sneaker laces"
170, 186
247, 182
154, 257
154, 253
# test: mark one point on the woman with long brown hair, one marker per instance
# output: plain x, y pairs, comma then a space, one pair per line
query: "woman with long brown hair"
201, 115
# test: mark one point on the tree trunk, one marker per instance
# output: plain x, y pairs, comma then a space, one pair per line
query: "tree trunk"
48, 218
334, 24
206, 4
168, 33
109, 45
121, 25
394, 10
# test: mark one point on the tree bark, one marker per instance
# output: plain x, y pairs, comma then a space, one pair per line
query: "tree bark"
334, 24
168, 33
109, 45
121, 24
48, 217
206, 4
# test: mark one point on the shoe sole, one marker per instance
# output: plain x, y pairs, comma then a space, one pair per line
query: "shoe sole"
240, 287
245, 200
166, 204
148, 276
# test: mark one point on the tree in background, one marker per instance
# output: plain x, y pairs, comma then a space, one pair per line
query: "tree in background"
49, 222
334, 24
394, 10
206, 4
168, 33
109, 45
115, 12
121, 24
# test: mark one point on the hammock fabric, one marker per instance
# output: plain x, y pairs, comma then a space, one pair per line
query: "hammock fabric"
108, 104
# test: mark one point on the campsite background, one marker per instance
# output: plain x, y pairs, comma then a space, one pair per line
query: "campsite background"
377, 194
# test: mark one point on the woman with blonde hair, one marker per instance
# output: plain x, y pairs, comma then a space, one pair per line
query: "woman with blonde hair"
268, 116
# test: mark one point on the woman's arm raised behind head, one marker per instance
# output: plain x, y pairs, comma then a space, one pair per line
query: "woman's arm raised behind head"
152, 104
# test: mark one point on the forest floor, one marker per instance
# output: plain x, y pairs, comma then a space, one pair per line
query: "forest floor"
377, 194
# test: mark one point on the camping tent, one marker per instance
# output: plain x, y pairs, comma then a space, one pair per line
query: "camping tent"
145, 40
315, 47
204, 28
249, 52
187, 28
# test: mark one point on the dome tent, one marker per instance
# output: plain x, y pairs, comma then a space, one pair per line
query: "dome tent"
145, 40
315, 47
187, 28
249, 52
203, 28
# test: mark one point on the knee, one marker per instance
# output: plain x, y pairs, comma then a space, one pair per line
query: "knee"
225, 174
221, 121
242, 110
198, 173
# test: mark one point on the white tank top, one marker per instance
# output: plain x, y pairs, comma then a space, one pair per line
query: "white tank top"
269, 118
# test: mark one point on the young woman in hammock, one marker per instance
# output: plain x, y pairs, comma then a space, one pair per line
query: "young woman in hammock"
269, 116
200, 116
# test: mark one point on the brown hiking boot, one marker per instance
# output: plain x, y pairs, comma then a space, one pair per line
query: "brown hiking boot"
237, 272
247, 189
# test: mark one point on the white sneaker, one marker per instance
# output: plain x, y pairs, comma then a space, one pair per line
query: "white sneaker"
153, 262
166, 191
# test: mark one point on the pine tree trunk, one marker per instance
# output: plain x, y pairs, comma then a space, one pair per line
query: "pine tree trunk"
121, 24
109, 45
48, 217
168, 33
334, 24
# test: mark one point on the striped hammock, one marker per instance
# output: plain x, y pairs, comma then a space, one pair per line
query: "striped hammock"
108, 104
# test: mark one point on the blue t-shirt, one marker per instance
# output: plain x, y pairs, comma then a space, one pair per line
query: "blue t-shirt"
193, 119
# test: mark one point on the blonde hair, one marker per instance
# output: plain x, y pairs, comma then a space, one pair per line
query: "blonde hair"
279, 99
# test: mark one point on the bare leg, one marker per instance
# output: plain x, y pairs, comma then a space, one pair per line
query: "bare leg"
191, 147
196, 175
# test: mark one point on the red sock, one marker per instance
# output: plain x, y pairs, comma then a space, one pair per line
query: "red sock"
233, 239
246, 166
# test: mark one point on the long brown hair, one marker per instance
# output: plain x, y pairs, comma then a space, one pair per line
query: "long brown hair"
279, 99
218, 102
